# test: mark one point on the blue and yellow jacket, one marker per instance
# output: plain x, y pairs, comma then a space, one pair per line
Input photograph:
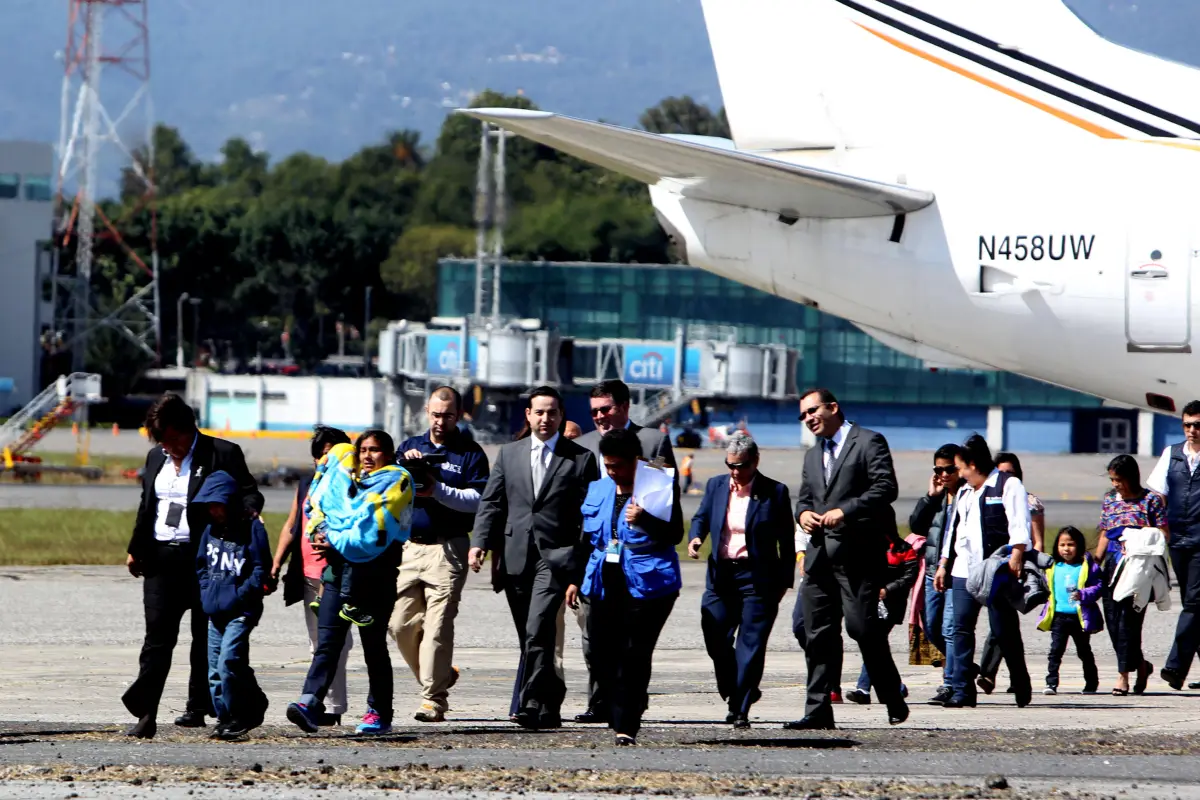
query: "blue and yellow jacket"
361, 515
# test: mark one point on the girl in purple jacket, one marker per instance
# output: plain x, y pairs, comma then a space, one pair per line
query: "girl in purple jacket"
1073, 610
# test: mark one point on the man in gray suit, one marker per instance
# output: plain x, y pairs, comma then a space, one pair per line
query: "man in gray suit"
845, 505
530, 515
610, 412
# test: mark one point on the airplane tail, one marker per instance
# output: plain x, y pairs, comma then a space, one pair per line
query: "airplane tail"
814, 74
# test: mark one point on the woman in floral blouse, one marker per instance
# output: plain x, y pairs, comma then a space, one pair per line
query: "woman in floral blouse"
1128, 505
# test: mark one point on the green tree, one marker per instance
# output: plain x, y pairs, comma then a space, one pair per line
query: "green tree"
685, 115
411, 267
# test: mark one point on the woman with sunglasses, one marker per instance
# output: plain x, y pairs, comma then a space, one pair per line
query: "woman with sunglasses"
933, 518
750, 569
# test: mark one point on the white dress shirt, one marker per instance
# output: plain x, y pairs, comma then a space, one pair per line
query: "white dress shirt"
1157, 482
968, 543
171, 486
543, 450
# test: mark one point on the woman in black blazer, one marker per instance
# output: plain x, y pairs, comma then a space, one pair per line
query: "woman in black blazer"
751, 568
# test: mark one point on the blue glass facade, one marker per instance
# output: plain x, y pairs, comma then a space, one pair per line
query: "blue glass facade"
641, 301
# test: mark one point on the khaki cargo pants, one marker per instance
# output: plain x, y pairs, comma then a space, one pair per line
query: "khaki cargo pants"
428, 591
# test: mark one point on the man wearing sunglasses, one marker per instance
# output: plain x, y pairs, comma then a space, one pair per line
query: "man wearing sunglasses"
845, 505
1176, 478
610, 411
932, 518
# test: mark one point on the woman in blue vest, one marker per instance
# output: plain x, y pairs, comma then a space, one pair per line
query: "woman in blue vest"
991, 511
632, 581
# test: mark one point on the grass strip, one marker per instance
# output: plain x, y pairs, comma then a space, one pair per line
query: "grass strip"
48, 536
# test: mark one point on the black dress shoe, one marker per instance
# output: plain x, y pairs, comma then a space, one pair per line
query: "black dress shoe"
591, 717
897, 713
1023, 696
731, 717
145, 728
1173, 678
328, 720
190, 719
811, 722
548, 721
959, 702
741, 723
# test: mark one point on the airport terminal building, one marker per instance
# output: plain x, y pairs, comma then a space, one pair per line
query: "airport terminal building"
26, 216
917, 406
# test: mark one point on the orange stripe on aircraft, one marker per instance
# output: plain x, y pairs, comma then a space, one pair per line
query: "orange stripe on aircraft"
1078, 122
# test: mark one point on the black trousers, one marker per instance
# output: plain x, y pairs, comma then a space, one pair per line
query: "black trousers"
375, 587
1064, 628
597, 702
169, 589
1123, 623
1186, 563
736, 621
624, 631
835, 657
848, 591
534, 598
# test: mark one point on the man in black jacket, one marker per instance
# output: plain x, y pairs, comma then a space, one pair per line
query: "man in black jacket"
845, 505
531, 513
163, 551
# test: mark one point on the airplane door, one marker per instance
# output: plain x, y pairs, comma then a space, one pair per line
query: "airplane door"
1157, 294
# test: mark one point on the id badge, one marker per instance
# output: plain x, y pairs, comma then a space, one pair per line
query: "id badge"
613, 554
175, 515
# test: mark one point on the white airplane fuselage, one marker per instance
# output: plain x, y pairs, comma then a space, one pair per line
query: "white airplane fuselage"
1069, 265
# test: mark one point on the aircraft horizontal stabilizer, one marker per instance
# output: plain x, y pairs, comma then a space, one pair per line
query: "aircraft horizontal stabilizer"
706, 172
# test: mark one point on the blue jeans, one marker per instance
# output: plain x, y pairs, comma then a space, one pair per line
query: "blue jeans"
231, 681
1005, 626
939, 624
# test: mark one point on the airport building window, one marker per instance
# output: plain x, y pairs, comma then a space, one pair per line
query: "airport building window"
630, 301
37, 188
10, 186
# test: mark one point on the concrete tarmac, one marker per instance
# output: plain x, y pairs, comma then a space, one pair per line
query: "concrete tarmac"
71, 639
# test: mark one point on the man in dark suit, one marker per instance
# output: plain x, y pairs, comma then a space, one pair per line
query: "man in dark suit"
531, 513
163, 550
751, 567
610, 412
845, 505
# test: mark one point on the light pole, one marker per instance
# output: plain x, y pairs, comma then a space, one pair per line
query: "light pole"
179, 330
195, 301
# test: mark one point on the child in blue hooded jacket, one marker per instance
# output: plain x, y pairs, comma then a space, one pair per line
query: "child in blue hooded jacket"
234, 566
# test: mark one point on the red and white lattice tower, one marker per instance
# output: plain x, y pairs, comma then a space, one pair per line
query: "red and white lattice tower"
107, 39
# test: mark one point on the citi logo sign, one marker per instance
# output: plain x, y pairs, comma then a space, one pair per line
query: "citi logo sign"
647, 368
449, 358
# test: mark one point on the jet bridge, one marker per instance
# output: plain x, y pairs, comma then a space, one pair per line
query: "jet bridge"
498, 363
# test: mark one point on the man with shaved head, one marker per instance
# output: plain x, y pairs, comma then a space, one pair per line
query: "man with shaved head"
434, 568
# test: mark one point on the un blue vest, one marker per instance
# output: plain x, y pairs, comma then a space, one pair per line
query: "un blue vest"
1183, 500
992, 516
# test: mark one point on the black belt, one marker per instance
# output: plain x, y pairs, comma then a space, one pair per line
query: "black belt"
436, 539
173, 543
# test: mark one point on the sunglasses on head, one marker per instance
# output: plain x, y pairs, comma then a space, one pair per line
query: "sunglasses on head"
603, 411
945, 470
